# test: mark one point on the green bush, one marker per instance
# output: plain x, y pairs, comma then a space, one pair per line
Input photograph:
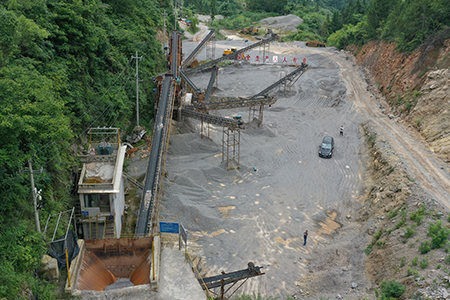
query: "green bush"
350, 34
409, 232
418, 215
414, 261
447, 259
438, 234
424, 262
391, 289
393, 213
400, 223
424, 247
413, 273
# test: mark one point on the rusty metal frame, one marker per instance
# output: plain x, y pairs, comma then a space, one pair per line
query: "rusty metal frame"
231, 147
252, 112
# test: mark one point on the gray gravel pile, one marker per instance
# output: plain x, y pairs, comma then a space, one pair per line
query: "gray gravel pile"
289, 22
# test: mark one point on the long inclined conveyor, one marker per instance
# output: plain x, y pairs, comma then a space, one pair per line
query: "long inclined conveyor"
192, 87
211, 119
299, 71
217, 102
231, 56
160, 142
155, 160
211, 82
199, 48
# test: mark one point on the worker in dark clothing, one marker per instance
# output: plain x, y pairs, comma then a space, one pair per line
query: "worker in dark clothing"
305, 236
341, 130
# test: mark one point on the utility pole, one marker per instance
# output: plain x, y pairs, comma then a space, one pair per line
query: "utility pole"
164, 43
34, 191
138, 58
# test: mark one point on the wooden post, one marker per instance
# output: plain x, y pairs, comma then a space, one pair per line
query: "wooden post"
68, 268
153, 253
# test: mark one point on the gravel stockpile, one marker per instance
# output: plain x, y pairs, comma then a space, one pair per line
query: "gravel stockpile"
289, 22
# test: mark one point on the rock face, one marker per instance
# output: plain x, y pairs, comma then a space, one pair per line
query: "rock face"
416, 85
431, 113
288, 23
50, 269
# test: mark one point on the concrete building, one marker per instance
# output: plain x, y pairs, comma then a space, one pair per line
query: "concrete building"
101, 185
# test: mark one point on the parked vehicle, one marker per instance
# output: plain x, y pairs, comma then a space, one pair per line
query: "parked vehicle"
326, 148
229, 51
250, 30
315, 44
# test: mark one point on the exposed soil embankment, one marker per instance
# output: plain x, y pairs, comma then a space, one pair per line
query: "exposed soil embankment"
416, 86
398, 215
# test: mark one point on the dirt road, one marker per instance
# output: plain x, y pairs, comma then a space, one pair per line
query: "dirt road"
259, 212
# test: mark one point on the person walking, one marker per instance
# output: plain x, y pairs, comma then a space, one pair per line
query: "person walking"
341, 130
305, 236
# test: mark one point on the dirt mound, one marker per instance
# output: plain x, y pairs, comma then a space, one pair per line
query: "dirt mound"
289, 22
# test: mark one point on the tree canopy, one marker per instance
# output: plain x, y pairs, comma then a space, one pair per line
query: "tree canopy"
64, 67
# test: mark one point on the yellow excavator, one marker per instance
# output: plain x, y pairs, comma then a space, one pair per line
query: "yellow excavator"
229, 51
250, 30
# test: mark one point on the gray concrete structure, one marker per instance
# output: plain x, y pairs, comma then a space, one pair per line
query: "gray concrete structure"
101, 191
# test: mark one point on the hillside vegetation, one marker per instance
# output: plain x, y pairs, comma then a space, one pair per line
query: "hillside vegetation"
65, 66
409, 23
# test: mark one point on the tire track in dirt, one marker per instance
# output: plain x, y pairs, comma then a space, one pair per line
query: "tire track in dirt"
424, 168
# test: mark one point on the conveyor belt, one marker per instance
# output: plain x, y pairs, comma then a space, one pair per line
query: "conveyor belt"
230, 102
152, 178
160, 138
230, 56
192, 87
220, 121
199, 48
299, 71
211, 82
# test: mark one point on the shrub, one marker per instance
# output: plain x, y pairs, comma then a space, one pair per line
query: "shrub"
414, 261
393, 213
418, 215
424, 247
391, 289
438, 234
409, 232
404, 213
447, 259
413, 273
424, 263
400, 223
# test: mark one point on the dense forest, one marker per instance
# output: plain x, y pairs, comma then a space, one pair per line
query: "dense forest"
65, 66
408, 23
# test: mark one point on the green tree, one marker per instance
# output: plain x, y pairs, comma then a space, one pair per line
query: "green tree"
335, 23
228, 8
377, 13
64, 66
213, 10
266, 5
